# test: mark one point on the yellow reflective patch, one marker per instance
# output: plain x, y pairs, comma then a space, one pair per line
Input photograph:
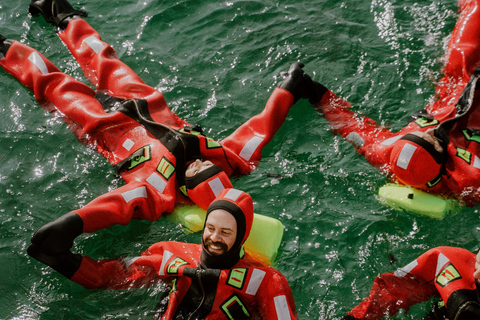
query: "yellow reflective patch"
166, 168
236, 278
140, 159
183, 190
423, 122
233, 306
464, 154
471, 137
212, 144
447, 275
173, 266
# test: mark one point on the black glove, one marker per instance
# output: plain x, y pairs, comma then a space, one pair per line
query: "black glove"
298, 83
55, 12
4, 45
206, 275
57, 237
65, 263
348, 317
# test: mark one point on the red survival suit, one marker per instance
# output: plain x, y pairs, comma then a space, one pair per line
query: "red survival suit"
445, 272
130, 124
462, 177
249, 290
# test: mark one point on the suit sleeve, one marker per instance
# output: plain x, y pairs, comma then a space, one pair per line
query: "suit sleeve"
406, 287
275, 299
134, 200
117, 273
370, 139
157, 262
391, 293
250, 138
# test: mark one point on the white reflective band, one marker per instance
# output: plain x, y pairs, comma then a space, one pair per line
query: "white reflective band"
157, 182
441, 261
166, 256
250, 147
390, 141
128, 144
38, 62
140, 192
406, 155
217, 186
128, 261
476, 162
255, 281
94, 43
402, 272
281, 307
355, 139
233, 194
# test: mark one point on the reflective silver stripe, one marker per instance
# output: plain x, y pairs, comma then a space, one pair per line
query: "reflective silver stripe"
402, 272
157, 182
355, 139
129, 261
38, 62
476, 162
233, 194
94, 43
406, 155
281, 307
166, 256
390, 141
140, 192
441, 261
128, 144
217, 186
250, 147
255, 281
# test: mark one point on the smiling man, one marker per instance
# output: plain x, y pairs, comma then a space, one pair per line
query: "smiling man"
130, 123
212, 280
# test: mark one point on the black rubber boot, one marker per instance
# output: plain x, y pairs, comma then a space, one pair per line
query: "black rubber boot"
4, 45
56, 12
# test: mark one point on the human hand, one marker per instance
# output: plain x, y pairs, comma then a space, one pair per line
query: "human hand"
300, 85
57, 237
65, 263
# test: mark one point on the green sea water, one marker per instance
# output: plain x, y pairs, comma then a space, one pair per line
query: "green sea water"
217, 62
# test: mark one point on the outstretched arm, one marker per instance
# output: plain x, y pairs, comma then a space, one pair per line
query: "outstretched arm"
159, 261
368, 137
389, 294
250, 138
444, 272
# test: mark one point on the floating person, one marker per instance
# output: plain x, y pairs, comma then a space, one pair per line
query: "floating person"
130, 124
439, 150
212, 280
444, 272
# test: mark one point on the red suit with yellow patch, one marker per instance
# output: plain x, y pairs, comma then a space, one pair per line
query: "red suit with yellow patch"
250, 287
461, 178
134, 128
445, 272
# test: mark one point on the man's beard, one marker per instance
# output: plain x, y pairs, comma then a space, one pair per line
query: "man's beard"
222, 246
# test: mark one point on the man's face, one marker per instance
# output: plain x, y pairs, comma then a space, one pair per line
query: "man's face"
220, 232
197, 166
476, 274
429, 136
